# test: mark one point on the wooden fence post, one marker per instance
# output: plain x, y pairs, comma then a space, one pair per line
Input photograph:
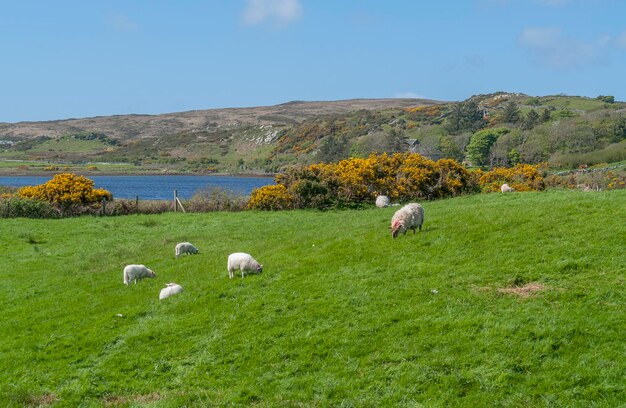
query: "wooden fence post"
104, 207
177, 202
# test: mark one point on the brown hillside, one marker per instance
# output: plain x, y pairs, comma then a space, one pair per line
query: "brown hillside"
151, 126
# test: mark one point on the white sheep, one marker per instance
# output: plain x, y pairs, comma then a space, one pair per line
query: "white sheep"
136, 272
185, 248
170, 290
410, 216
382, 201
243, 262
506, 189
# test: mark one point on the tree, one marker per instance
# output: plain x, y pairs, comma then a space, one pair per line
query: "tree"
532, 118
606, 98
479, 147
545, 115
333, 149
465, 116
511, 113
514, 157
395, 142
450, 149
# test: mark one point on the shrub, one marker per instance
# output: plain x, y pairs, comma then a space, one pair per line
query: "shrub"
66, 189
590, 179
12, 207
523, 177
274, 197
215, 199
357, 181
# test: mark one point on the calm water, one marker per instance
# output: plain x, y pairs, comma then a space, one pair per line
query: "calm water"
155, 187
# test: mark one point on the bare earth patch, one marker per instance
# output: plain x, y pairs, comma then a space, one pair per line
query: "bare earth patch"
526, 291
43, 400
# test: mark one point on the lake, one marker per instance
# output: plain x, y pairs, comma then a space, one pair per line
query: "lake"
155, 187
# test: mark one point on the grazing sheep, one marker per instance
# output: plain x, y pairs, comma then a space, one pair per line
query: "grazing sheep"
243, 262
506, 189
136, 272
382, 201
170, 290
185, 248
410, 216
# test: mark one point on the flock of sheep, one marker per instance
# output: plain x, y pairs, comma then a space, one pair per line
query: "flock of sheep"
409, 217
238, 260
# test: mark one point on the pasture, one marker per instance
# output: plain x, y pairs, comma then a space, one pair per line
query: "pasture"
502, 300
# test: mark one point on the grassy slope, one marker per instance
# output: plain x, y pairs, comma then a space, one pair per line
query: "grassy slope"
342, 314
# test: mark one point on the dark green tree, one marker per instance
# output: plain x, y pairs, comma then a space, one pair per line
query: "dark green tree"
395, 141
606, 98
532, 118
333, 149
465, 116
545, 115
511, 113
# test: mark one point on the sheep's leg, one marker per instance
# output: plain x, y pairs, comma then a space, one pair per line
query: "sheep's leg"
241, 273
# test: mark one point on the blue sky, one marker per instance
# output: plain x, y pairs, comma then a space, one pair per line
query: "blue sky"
66, 59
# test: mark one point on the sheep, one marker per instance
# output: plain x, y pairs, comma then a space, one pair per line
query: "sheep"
185, 248
410, 216
136, 272
506, 189
382, 201
243, 262
170, 290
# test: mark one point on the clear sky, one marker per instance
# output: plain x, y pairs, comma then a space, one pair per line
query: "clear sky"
63, 59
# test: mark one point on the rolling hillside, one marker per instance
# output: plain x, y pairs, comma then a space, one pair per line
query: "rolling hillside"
564, 130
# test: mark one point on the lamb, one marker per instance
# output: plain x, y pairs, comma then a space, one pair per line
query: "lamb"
410, 216
243, 262
506, 189
136, 272
185, 248
382, 201
170, 290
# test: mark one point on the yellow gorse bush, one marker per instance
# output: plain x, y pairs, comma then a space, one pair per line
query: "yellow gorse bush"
66, 189
273, 197
523, 177
353, 182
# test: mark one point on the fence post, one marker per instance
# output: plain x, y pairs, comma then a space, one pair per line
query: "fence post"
137, 203
175, 199
104, 206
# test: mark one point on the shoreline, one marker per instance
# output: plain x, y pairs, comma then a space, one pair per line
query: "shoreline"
119, 174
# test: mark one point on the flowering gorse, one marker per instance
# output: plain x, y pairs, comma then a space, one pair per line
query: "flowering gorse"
66, 189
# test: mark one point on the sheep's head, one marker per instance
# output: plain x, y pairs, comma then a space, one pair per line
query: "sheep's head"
151, 274
259, 269
396, 228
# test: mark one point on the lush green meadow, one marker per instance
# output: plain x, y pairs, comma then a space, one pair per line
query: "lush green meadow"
341, 316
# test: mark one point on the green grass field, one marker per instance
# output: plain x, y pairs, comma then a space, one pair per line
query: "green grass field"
341, 316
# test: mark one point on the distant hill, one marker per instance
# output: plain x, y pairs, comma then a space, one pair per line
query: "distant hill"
126, 127
498, 129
